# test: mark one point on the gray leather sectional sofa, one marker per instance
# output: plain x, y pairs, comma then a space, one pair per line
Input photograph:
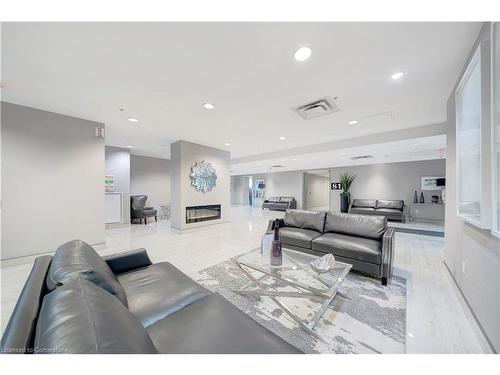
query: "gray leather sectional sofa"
361, 240
391, 209
78, 302
280, 203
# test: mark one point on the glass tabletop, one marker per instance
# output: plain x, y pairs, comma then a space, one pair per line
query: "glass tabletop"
296, 270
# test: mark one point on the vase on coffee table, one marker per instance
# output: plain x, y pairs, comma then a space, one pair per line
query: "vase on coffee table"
276, 247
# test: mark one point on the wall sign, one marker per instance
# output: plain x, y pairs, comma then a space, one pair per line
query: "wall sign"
336, 186
109, 183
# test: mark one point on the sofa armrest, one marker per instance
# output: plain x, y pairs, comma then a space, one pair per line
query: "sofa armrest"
388, 241
128, 261
270, 225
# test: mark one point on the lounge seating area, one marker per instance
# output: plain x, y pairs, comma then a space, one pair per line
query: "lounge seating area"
361, 240
78, 302
391, 209
280, 203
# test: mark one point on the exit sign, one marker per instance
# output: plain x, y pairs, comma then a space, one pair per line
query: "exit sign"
336, 186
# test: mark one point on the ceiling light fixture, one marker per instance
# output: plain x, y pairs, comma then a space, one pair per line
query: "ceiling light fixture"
294, 158
129, 146
302, 54
353, 122
282, 138
131, 119
208, 106
227, 144
397, 76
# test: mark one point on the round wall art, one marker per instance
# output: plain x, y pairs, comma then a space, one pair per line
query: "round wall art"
203, 176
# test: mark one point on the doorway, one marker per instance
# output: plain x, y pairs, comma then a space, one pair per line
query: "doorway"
317, 190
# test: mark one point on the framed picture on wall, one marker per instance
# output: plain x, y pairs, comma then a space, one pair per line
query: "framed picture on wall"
432, 183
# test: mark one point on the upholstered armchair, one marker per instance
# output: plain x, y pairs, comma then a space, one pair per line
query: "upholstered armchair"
138, 209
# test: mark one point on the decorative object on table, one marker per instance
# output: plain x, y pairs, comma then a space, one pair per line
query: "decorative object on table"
203, 176
415, 197
422, 199
266, 244
346, 179
276, 247
435, 199
109, 183
432, 183
323, 264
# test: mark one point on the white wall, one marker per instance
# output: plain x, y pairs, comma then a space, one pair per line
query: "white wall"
317, 191
117, 162
52, 181
465, 243
388, 181
183, 156
150, 176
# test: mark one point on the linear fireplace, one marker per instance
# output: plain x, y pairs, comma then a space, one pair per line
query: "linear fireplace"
195, 214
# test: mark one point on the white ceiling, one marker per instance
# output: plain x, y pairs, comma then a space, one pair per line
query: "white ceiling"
162, 73
424, 148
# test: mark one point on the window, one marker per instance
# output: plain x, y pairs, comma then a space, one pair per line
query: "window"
468, 142
495, 130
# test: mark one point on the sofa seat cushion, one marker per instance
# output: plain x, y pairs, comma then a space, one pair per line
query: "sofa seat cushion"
76, 259
396, 204
358, 225
148, 211
363, 249
214, 326
365, 203
313, 220
298, 236
389, 211
159, 290
362, 210
82, 318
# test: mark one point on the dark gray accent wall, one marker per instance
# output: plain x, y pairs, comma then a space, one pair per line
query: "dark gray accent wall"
466, 246
52, 181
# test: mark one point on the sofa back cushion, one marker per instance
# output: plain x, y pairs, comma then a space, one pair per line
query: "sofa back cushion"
286, 199
364, 203
274, 199
396, 204
305, 219
81, 318
78, 259
367, 226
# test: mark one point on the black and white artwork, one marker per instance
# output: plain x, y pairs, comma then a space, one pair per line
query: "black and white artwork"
431, 183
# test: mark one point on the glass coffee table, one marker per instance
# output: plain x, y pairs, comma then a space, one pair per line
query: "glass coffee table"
296, 273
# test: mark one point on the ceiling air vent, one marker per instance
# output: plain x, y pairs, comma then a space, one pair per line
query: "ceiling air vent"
316, 108
276, 166
361, 157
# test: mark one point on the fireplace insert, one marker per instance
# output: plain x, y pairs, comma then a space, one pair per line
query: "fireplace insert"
195, 214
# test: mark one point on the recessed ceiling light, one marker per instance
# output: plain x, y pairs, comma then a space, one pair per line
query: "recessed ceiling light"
282, 138
227, 144
397, 75
208, 106
342, 153
302, 54
294, 159
353, 122
131, 119
129, 146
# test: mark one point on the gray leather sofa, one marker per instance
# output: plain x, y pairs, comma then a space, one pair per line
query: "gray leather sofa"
391, 209
280, 203
78, 302
361, 240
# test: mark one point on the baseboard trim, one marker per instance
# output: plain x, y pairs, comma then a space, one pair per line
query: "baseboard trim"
485, 335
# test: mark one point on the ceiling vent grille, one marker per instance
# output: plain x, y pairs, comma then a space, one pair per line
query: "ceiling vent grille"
316, 108
361, 157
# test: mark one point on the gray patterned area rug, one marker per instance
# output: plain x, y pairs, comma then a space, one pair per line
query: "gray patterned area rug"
371, 320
